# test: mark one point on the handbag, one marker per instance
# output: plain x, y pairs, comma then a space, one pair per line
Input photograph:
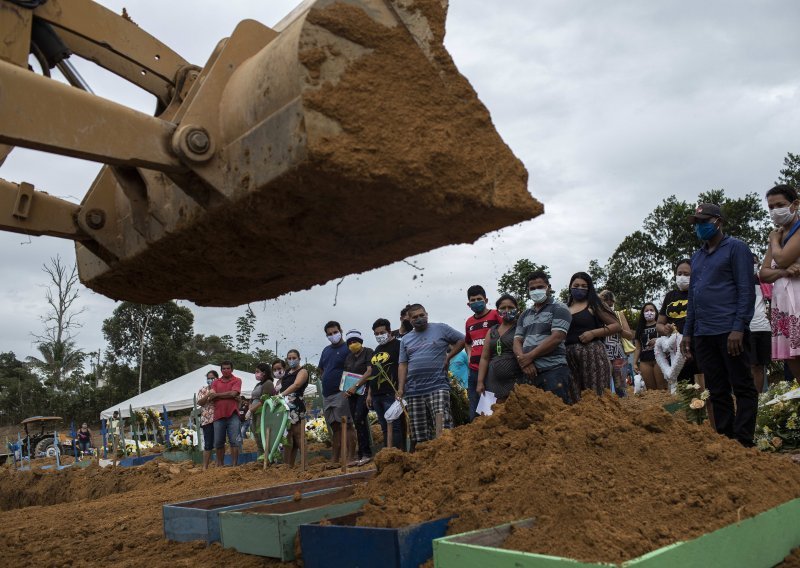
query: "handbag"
627, 345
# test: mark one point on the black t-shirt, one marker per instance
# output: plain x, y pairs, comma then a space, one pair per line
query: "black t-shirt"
358, 363
648, 333
393, 349
674, 308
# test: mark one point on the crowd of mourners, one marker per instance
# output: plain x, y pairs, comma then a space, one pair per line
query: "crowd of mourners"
729, 315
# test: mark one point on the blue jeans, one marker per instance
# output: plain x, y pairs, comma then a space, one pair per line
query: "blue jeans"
380, 404
473, 396
555, 380
229, 427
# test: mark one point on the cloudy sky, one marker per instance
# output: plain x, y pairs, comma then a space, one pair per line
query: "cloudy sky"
612, 106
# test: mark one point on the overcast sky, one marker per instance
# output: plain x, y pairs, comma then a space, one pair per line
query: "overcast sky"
612, 107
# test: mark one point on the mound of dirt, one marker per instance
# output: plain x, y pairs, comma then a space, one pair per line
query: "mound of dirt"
603, 481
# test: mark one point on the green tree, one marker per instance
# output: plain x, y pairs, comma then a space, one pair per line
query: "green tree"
641, 267
790, 174
22, 394
245, 327
515, 280
154, 339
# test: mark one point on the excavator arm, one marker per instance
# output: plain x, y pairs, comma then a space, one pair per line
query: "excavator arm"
284, 142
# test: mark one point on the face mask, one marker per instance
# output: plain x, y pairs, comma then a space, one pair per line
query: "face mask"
335, 338
579, 293
478, 306
227, 373
420, 323
782, 216
705, 231
278, 374
354, 347
510, 315
682, 282
209, 381
537, 296
293, 363
649, 315
382, 338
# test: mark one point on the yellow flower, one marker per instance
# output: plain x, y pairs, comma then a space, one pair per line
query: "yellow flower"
380, 358
697, 404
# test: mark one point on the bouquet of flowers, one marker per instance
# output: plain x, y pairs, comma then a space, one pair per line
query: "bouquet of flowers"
693, 401
317, 431
129, 447
155, 419
183, 438
777, 422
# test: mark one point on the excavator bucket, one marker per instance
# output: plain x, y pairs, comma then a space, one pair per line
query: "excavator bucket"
340, 141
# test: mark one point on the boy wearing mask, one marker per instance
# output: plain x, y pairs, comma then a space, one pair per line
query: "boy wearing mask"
477, 328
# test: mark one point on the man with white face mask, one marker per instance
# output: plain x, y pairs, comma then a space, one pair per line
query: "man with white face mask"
539, 339
335, 405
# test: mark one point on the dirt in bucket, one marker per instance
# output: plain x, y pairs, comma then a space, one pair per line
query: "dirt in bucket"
604, 480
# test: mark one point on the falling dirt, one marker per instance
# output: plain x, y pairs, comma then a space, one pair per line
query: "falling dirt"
604, 480
387, 128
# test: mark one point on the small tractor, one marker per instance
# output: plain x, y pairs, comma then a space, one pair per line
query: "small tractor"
39, 437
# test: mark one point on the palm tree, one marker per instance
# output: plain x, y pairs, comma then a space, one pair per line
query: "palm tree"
58, 360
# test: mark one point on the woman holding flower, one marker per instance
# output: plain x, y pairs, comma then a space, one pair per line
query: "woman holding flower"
498, 370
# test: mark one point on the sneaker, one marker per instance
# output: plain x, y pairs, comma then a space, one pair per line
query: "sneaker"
365, 460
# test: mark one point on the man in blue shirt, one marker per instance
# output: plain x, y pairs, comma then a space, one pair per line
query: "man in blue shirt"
425, 354
721, 300
335, 405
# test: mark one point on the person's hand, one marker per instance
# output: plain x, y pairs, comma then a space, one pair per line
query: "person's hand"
587, 336
793, 271
636, 369
686, 347
651, 343
480, 388
399, 394
530, 370
735, 343
248, 415
525, 359
350, 392
211, 396
776, 234
669, 328
369, 400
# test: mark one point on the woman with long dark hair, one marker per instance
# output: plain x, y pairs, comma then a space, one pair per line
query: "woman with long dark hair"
592, 321
644, 358
293, 385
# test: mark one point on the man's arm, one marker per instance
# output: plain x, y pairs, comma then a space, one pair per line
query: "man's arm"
742, 270
402, 373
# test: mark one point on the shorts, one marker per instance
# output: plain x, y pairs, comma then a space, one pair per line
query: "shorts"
208, 436
761, 347
423, 408
229, 426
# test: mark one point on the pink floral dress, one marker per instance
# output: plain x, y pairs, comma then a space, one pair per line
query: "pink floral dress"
784, 318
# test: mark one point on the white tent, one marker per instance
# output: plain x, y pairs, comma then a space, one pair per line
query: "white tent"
177, 394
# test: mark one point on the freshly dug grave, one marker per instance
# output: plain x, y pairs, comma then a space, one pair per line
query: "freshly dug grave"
113, 516
603, 481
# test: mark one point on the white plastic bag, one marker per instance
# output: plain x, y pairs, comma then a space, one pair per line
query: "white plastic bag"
638, 384
394, 411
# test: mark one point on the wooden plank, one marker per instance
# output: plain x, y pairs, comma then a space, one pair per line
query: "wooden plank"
199, 519
303, 461
344, 450
270, 530
758, 542
405, 547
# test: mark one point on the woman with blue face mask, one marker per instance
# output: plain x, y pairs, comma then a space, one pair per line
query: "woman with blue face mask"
498, 370
592, 321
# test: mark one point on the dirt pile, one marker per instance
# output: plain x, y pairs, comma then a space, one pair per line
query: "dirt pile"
603, 481
118, 517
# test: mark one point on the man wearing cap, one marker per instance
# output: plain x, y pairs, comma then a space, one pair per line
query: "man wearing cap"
721, 300
359, 362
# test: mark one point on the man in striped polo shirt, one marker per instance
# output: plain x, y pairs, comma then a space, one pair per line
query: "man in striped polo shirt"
539, 339
425, 354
